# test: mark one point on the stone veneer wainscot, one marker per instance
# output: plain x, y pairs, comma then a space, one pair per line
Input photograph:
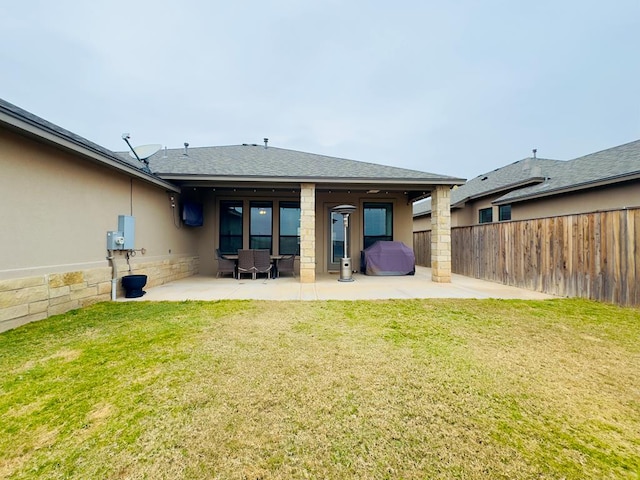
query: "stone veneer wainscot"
28, 299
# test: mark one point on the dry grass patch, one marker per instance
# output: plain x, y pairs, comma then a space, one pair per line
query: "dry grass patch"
383, 389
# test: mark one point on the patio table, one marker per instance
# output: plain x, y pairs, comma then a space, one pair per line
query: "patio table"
274, 260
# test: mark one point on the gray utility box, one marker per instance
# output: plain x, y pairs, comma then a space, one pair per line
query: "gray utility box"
115, 241
124, 238
127, 225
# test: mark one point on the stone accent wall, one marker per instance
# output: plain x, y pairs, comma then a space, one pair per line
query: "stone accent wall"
28, 299
441, 235
307, 233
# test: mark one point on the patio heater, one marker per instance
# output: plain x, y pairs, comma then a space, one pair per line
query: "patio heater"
345, 261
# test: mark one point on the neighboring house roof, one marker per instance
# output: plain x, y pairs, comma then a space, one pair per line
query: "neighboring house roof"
532, 178
520, 174
26, 123
613, 165
272, 165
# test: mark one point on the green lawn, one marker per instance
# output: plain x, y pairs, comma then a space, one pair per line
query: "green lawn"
369, 390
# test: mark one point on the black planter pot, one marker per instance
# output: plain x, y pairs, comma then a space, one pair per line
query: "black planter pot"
133, 285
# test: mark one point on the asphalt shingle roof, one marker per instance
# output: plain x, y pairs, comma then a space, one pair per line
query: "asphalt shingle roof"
257, 161
605, 166
513, 176
46, 126
533, 177
248, 161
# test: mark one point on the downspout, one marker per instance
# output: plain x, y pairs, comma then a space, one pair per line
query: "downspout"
114, 277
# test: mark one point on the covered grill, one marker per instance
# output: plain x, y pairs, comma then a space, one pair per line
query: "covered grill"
388, 258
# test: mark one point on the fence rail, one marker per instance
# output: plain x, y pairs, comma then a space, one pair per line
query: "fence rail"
591, 255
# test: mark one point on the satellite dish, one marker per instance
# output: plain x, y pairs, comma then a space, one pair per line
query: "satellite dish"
145, 151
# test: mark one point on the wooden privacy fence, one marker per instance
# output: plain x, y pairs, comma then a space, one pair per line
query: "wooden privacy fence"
591, 255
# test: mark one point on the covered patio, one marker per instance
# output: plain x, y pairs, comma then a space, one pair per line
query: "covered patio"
262, 197
327, 287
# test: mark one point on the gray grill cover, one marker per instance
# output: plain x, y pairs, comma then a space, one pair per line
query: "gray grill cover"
389, 258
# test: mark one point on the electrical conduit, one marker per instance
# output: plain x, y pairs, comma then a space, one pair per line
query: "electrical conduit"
114, 277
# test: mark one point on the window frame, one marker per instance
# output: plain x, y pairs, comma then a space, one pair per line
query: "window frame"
288, 205
254, 237
481, 216
501, 213
368, 240
228, 239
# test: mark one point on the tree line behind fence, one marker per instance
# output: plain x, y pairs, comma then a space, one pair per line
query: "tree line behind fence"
591, 255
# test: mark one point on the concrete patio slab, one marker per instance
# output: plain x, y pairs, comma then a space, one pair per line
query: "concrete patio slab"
327, 287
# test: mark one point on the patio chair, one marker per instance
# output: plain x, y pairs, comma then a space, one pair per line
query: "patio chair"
262, 262
285, 265
225, 265
246, 264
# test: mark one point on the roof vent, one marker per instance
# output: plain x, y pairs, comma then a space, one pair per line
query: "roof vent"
535, 150
266, 142
186, 149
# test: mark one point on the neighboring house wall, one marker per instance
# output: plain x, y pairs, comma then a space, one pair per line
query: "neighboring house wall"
624, 195
606, 198
466, 216
55, 217
459, 216
469, 214
423, 223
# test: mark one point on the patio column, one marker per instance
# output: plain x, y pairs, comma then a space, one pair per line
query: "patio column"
307, 233
441, 234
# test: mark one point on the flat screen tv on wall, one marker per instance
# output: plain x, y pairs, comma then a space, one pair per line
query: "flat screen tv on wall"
192, 214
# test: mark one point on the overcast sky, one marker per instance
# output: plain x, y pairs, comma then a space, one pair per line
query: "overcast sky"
456, 87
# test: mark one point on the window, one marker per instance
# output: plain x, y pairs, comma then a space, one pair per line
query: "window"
486, 215
504, 212
230, 226
378, 223
289, 241
260, 226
